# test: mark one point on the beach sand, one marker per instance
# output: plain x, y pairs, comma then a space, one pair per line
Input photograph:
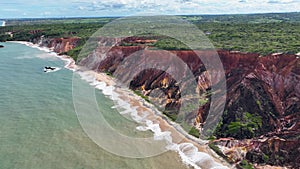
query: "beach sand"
179, 136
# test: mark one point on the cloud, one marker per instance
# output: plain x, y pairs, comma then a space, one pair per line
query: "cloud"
10, 9
81, 8
8, 3
100, 5
183, 1
281, 1
131, 7
46, 13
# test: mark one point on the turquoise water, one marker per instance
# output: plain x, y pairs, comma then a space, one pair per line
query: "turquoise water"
39, 128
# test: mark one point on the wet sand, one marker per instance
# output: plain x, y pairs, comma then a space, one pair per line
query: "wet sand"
178, 134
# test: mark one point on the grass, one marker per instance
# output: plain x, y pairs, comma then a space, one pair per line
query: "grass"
171, 115
146, 98
245, 165
194, 132
217, 150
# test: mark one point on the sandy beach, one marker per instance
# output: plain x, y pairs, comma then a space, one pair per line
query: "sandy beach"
179, 136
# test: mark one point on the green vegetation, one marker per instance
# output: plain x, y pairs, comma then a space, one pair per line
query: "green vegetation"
217, 150
32, 33
146, 98
246, 18
203, 101
258, 103
75, 52
260, 33
57, 30
245, 165
245, 126
265, 158
194, 132
170, 114
170, 44
49, 21
109, 74
261, 38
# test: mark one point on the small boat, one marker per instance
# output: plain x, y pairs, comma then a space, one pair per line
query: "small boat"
50, 69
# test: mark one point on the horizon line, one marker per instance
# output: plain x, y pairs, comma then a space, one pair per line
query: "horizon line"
87, 17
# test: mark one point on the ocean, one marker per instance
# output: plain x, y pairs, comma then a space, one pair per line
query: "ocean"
39, 128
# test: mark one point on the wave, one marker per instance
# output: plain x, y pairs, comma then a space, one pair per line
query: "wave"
29, 44
69, 62
188, 152
48, 56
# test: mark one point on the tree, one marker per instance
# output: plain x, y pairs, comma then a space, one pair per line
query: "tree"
245, 127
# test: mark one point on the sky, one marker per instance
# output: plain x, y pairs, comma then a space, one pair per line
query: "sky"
101, 8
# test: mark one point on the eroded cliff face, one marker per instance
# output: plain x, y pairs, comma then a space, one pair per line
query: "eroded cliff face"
59, 45
269, 88
265, 87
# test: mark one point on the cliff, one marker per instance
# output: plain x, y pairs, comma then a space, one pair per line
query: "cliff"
262, 111
267, 87
59, 45
263, 96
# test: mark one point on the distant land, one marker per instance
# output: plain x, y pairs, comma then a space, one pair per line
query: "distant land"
246, 18
259, 33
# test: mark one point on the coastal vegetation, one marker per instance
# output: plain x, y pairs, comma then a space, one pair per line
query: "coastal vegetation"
244, 164
217, 150
194, 132
244, 127
259, 33
146, 98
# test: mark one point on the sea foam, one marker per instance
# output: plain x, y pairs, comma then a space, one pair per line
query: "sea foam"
187, 151
69, 62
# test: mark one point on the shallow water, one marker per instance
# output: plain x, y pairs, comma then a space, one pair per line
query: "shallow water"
39, 128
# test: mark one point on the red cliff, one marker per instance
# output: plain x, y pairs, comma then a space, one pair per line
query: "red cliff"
264, 86
59, 45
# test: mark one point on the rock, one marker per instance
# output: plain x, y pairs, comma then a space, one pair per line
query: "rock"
273, 150
59, 45
264, 86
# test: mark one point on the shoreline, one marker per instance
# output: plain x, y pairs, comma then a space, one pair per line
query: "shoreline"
179, 136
